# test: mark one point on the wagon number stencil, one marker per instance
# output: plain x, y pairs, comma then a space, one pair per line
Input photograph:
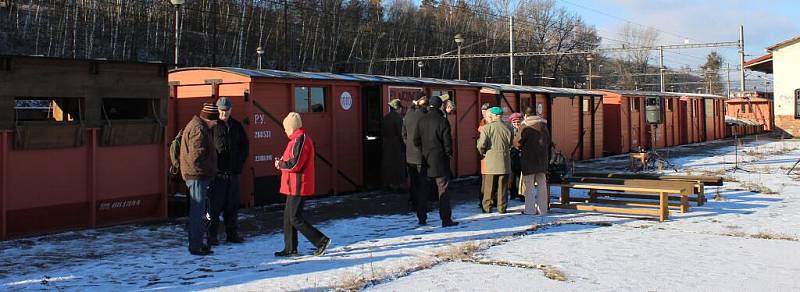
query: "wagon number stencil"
259, 119
346, 100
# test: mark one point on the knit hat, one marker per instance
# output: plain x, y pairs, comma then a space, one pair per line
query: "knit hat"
445, 97
515, 117
394, 103
496, 110
435, 102
209, 111
224, 103
292, 122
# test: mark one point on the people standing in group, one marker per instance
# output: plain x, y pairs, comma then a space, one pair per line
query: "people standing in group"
297, 183
418, 190
533, 141
435, 143
516, 176
393, 166
198, 167
484, 120
232, 147
494, 144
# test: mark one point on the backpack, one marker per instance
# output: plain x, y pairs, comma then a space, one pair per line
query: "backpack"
175, 154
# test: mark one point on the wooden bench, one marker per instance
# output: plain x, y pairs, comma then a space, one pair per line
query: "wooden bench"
696, 194
662, 192
699, 181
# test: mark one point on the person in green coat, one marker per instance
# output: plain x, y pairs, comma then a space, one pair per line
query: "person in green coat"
494, 145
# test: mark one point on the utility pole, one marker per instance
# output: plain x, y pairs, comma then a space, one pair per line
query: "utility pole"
728, 79
511, 49
741, 56
661, 69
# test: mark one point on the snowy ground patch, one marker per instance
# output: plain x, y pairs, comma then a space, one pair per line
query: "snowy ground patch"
744, 238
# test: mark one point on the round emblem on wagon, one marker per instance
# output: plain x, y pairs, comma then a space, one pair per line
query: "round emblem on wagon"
346, 100
539, 109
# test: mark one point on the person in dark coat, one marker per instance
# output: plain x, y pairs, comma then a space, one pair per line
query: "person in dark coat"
533, 141
198, 165
516, 165
418, 191
297, 166
435, 143
225, 194
393, 166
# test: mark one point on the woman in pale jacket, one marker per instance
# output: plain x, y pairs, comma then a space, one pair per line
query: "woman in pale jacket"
533, 141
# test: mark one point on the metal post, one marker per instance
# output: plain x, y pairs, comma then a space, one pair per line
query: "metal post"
177, 32
589, 81
511, 48
728, 79
741, 57
459, 61
661, 70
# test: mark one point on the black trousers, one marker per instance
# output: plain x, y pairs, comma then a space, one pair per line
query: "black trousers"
293, 221
442, 183
224, 196
420, 190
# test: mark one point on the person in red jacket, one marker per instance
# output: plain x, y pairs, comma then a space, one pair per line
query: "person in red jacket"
297, 183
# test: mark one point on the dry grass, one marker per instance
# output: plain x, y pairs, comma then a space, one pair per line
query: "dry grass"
761, 235
713, 172
458, 252
550, 272
755, 153
757, 187
729, 178
765, 235
554, 274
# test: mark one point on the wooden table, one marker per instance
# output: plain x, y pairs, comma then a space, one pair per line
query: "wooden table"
662, 192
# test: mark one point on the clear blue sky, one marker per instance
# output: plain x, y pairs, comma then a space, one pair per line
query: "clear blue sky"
765, 23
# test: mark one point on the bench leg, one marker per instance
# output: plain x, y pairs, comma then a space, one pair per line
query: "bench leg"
684, 203
663, 207
592, 196
701, 195
565, 196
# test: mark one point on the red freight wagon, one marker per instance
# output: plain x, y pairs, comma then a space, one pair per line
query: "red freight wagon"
346, 129
625, 124
753, 106
704, 117
81, 143
578, 130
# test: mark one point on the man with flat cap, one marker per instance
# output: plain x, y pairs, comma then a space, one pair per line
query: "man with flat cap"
233, 148
393, 166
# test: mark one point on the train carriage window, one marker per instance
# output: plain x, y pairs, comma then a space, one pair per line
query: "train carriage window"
48, 109
309, 99
669, 104
131, 108
744, 109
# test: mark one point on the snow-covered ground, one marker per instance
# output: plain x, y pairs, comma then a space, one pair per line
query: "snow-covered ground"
741, 240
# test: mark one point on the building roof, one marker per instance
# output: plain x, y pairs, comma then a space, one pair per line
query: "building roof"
760, 64
740, 121
782, 44
499, 87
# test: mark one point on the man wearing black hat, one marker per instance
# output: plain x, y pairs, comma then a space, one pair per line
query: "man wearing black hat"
435, 144
198, 165
232, 146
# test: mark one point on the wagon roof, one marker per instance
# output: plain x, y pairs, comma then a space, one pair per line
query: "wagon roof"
278, 74
659, 93
535, 89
